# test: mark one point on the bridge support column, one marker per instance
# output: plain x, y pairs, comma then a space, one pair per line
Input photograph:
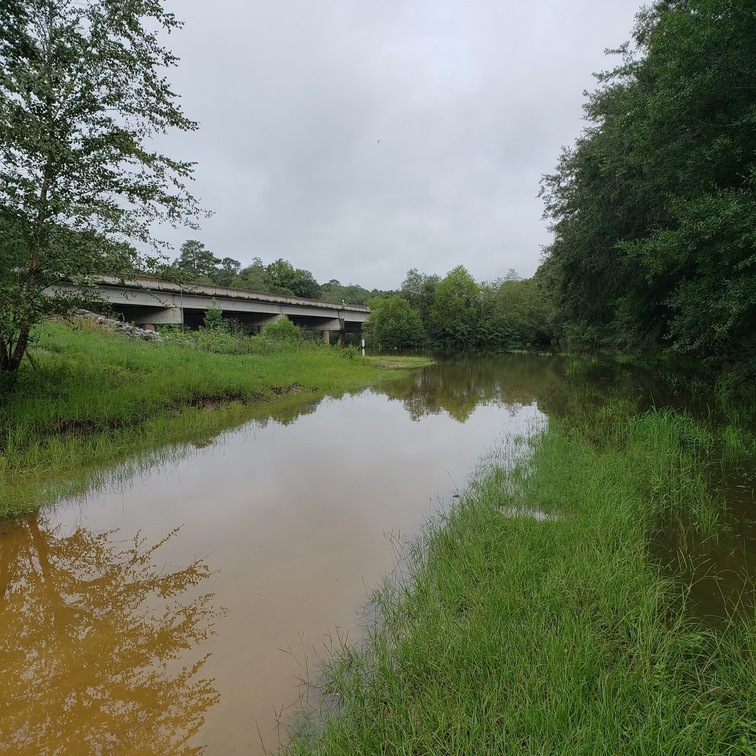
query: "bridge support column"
327, 338
159, 316
272, 319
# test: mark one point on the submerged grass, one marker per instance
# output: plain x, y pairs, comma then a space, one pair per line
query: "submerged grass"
531, 617
93, 398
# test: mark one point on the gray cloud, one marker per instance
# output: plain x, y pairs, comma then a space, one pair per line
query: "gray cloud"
360, 138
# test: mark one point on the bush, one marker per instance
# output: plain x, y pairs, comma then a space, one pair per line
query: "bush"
213, 320
283, 331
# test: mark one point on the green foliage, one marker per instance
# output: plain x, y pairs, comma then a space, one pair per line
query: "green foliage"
198, 264
395, 325
219, 336
227, 273
455, 311
653, 209
514, 313
278, 277
333, 291
285, 279
284, 331
254, 277
213, 319
81, 93
196, 261
712, 311
420, 291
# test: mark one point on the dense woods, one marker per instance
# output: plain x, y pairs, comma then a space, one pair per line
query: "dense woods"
457, 313
653, 209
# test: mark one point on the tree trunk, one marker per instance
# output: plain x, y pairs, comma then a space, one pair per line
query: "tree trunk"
20, 350
3, 355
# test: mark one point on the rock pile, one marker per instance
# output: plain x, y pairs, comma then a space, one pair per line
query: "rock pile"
135, 332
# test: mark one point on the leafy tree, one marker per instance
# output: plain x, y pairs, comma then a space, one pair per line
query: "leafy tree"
196, 261
284, 331
700, 126
395, 325
653, 208
199, 264
213, 319
420, 290
228, 272
522, 303
81, 92
496, 328
456, 310
254, 277
333, 291
286, 279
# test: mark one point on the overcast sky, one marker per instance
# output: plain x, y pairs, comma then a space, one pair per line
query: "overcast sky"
361, 138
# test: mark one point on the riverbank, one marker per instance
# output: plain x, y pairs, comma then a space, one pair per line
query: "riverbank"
533, 618
93, 398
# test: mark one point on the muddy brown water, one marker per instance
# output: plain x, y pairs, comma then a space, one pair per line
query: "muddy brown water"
189, 606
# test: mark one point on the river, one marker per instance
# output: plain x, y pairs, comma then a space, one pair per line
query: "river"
188, 605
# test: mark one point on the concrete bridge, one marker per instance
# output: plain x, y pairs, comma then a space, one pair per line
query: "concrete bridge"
150, 301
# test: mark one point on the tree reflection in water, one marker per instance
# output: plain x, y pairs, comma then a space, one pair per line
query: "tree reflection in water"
458, 387
95, 642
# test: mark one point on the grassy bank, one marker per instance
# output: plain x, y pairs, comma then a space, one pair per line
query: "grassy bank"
92, 398
532, 618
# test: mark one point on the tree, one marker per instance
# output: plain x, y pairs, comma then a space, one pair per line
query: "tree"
228, 272
81, 94
285, 279
456, 310
196, 261
395, 325
254, 277
333, 291
213, 320
419, 290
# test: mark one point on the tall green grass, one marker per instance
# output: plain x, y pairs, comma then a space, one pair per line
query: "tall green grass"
531, 617
92, 398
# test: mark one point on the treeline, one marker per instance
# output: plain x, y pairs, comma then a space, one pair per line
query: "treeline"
457, 313
428, 312
654, 208
198, 264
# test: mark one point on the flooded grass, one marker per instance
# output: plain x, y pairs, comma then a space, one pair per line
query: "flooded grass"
92, 398
556, 633
398, 362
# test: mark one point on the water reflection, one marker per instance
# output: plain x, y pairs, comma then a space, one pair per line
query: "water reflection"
458, 387
90, 631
